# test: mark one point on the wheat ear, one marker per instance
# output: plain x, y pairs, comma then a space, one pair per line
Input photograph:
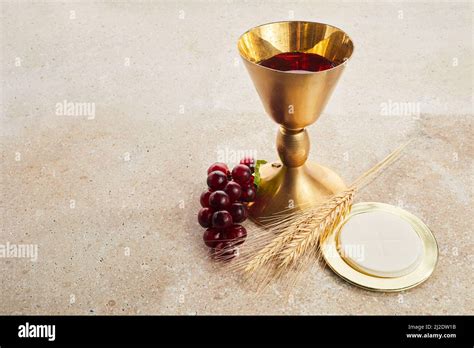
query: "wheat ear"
318, 225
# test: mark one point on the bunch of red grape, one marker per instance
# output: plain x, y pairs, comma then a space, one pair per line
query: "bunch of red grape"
224, 206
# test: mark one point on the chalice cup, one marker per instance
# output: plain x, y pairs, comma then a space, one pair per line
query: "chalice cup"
294, 100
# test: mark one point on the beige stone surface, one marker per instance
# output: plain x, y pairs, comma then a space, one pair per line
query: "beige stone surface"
170, 97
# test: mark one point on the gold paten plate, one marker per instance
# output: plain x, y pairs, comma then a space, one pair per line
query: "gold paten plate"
374, 283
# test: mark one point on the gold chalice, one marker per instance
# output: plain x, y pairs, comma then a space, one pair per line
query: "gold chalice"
294, 100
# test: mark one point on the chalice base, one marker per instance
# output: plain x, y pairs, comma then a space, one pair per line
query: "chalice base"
283, 189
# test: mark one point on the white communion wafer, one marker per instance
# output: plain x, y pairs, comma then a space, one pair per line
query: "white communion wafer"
380, 244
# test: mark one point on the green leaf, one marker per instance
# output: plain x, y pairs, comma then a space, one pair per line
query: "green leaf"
257, 172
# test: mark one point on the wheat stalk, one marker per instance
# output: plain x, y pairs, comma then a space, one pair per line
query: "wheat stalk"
316, 227
299, 234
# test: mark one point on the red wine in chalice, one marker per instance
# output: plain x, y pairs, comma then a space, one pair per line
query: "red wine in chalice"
298, 62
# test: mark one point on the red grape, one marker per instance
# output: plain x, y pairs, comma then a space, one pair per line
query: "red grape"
248, 194
212, 236
249, 183
249, 162
220, 167
236, 234
221, 219
216, 180
238, 212
219, 200
252, 179
241, 174
233, 190
205, 217
204, 199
